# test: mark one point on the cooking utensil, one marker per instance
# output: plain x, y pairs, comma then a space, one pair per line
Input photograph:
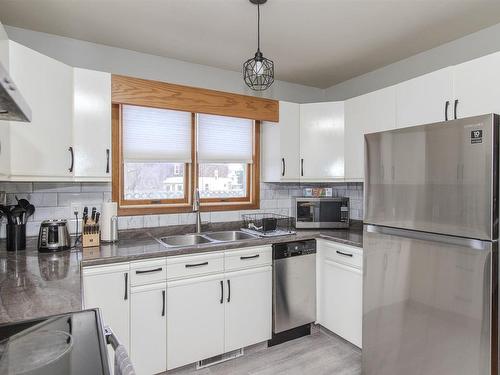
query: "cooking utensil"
94, 210
97, 216
6, 212
30, 210
18, 214
22, 202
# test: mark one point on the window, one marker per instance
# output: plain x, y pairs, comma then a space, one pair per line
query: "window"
164, 155
156, 152
225, 157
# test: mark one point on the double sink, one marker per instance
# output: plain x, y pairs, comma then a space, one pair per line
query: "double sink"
184, 240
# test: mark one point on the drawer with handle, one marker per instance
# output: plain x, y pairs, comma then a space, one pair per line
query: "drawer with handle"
248, 257
345, 254
148, 271
194, 265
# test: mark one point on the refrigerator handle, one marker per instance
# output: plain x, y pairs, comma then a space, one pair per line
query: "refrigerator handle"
446, 105
455, 108
426, 236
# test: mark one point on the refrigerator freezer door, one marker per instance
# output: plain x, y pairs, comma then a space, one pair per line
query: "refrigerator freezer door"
438, 178
427, 304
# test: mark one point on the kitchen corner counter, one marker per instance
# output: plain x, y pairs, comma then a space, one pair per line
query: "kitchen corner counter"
145, 246
34, 284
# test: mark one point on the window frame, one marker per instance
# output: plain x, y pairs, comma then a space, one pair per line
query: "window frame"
191, 180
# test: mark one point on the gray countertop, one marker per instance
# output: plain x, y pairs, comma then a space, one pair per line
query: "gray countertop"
34, 284
148, 247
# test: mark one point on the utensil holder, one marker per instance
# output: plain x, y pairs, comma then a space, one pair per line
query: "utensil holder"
16, 237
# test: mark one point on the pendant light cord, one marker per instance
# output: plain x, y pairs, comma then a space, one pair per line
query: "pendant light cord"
258, 27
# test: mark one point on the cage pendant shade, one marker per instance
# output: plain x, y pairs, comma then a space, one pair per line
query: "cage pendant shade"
258, 72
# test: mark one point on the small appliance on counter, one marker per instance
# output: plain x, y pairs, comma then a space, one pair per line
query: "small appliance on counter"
54, 236
311, 213
267, 224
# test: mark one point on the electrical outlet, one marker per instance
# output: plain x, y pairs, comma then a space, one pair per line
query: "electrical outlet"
76, 207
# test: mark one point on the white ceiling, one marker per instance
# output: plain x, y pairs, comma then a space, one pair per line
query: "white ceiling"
313, 42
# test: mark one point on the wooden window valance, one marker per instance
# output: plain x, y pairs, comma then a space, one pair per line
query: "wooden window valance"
142, 92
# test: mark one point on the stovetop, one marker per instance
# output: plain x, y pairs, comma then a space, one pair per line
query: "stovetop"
64, 344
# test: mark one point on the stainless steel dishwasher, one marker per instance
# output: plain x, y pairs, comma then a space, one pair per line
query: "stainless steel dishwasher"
294, 290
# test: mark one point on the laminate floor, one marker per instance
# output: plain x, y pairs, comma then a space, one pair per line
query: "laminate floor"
318, 354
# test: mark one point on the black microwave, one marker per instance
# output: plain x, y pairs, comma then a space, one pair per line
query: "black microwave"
321, 212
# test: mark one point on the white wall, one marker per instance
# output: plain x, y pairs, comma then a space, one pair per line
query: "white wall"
475, 45
121, 61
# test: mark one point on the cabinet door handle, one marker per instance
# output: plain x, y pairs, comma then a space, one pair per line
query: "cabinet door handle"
197, 265
149, 271
70, 149
163, 303
344, 254
455, 105
126, 286
446, 105
228, 290
107, 160
283, 167
302, 167
250, 257
221, 292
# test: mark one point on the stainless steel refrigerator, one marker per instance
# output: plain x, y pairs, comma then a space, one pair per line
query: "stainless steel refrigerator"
430, 284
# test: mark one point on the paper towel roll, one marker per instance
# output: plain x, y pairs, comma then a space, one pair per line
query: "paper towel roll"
109, 210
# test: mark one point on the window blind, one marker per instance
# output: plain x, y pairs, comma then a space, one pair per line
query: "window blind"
156, 135
224, 139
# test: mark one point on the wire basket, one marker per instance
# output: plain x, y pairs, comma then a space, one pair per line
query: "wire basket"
267, 223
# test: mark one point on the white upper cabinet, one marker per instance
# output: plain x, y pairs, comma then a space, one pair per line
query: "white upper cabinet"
40, 150
322, 141
365, 114
92, 125
280, 146
4, 150
477, 86
425, 99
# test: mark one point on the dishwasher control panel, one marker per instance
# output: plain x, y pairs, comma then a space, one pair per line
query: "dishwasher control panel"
292, 249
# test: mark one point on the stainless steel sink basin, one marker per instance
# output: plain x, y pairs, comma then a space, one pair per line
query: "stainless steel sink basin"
185, 240
205, 238
230, 235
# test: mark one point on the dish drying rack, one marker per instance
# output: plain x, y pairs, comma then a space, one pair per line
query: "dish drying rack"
268, 224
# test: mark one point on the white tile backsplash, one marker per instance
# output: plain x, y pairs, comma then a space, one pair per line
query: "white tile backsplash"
53, 201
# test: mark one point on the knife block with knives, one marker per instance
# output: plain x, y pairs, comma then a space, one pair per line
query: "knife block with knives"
91, 233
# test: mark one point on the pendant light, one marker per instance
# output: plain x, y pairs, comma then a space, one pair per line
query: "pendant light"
258, 72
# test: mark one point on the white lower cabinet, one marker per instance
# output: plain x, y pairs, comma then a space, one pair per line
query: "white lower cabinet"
107, 288
340, 290
148, 328
195, 319
248, 307
176, 311
208, 315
